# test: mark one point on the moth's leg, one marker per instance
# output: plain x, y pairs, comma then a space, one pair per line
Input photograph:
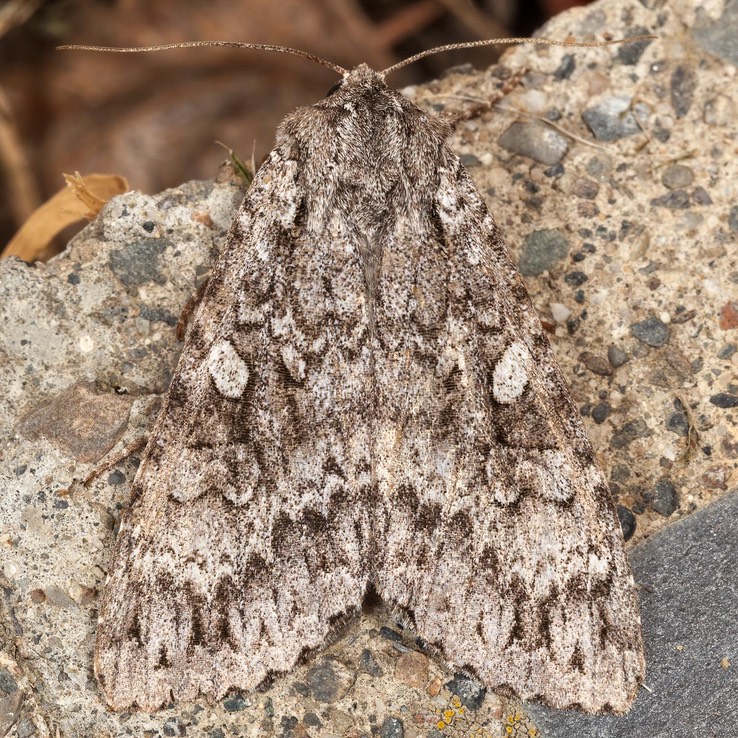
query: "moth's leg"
189, 309
484, 106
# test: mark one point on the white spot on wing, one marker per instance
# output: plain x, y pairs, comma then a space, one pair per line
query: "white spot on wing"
228, 370
511, 373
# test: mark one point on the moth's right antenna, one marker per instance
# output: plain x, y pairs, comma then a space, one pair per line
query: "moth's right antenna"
494, 41
191, 44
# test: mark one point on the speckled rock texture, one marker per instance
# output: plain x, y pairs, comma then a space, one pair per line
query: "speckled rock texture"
612, 174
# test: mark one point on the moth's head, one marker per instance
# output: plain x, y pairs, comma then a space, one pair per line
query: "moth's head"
354, 80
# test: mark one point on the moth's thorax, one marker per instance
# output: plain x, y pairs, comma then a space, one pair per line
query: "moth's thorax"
366, 144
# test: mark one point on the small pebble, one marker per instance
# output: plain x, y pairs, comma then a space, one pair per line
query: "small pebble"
632, 430
7, 683
330, 680
601, 412
678, 423
611, 118
719, 111
683, 85
663, 499
630, 53
627, 522
369, 664
469, 692
616, 357
596, 364
541, 250
701, 196
312, 720
652, 331
575, 279
724, 400
586, 188
235, 703
674, 200
719, 37
116, 477
412, 669
555, 171
560, 313
536, 141
566, 67
392, 727
729, 316
469, 160
173, 727
676, 176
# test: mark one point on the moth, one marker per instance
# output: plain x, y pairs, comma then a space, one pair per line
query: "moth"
366, 398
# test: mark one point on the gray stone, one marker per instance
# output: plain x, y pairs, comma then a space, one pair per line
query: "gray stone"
720, 38
631, 52
627, 520
674, 200
116, 477
663, 499
719, 111
595, 363
611, 118
7, 683
683, 84
586, 188
392, 727
536, 141
330, 680
617, 357
541, 250
566, 67
651, 331
678, 423
676, 176
470, 160
369, 664
701, 196
235, 703
601, 412
633, 429
174, 727
467, 690
312, 720
688, 605
724, 400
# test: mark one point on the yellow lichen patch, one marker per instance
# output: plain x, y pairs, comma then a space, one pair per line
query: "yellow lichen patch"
519, 725
457, 722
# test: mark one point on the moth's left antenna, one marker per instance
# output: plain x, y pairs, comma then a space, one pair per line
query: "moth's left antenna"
191, 44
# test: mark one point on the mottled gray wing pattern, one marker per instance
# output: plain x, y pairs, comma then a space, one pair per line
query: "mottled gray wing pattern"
499, 534
367, 395
247, 532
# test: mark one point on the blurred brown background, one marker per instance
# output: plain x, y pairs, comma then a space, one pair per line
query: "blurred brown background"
154, 118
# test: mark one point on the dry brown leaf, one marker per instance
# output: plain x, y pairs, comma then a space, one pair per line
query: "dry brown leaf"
81, 199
